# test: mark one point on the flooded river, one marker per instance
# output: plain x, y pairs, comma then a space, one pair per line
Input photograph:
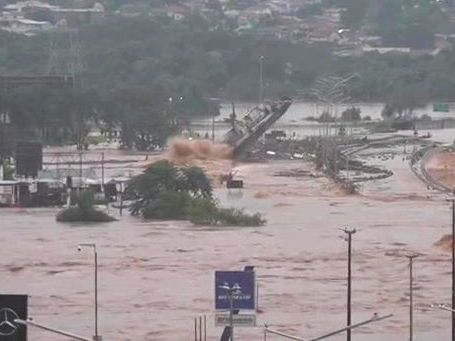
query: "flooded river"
155, 277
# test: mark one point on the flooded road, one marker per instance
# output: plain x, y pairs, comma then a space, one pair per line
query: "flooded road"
156, 277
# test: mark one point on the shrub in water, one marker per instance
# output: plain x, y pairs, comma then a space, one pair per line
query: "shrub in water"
168, 205
207, 212
236, 217
202, 211
84, 211
75, 214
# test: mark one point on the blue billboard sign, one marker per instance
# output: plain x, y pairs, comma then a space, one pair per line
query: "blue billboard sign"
244, 299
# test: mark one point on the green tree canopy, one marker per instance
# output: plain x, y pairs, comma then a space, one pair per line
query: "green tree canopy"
164, 177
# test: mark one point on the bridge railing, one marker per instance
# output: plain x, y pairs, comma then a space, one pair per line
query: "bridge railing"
375, 318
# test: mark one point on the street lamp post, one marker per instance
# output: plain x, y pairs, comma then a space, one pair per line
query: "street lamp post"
331, 91
231, 291
411, 304
4, 119
213, 127
452, 200
349, 232
453, 268
261, 79
173, 103
96, 337
231, 314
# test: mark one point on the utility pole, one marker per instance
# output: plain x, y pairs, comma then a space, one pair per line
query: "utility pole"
2, 148
4, 120
102, 172
96, 337
213, 127
261, 79
453, 268
349, 232
411, 304
80, 174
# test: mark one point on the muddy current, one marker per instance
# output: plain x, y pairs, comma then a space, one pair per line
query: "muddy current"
155, 277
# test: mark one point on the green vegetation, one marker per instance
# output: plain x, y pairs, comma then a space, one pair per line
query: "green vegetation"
351, 114
326, 117
406, 23
148, 76
207, 212
167, 192
84, 211
8, 170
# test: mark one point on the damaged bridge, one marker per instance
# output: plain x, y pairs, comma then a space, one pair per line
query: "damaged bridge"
245, 132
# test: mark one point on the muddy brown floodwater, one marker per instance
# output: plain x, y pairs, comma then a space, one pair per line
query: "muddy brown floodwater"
155, 277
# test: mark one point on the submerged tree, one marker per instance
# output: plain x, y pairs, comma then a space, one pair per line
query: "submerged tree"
84, 211
165, 191
351, 114
164, 177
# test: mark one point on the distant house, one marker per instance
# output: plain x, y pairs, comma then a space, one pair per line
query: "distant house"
21, 5
371, 40
322, 36
360, 50
24, 26
258, 11
323, 28
80, 15
176, 12
135, 10
245, 26
347, 52
26, 10
272, 33
244, 22
386, 50
232, 14
443, 42
334, 13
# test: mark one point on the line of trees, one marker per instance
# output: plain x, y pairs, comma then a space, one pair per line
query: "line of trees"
193, 60
67, 116
407, 23
150, 75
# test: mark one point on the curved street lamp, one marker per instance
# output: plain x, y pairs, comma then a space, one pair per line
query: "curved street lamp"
96, 337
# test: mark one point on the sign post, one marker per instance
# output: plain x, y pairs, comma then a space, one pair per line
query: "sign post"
12, 308
231, 310
245, 280
441, 107
234, 290
239, 320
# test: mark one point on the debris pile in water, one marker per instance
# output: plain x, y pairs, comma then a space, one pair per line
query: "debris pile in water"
445, 243
182, 149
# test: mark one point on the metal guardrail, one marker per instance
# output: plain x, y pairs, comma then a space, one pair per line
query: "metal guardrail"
418, 167
375, 318
276, 332
436, 184
52, 330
